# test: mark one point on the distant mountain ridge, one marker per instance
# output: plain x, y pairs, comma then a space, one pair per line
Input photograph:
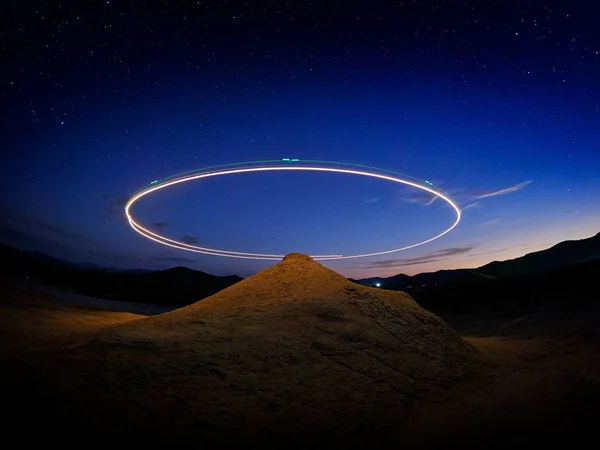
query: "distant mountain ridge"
177, 286
566, 253
47, 259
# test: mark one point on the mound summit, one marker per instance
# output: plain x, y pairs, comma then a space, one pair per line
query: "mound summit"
292, 354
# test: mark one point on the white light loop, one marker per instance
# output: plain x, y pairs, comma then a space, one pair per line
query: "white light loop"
262, 256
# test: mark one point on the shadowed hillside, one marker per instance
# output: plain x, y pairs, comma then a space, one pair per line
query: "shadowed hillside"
472, 293
172, 287
297, 356
564, 254
291, 353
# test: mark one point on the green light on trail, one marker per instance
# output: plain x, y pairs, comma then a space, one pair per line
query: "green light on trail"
304, 161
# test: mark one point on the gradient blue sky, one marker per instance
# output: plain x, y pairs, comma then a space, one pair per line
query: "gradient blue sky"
499, 106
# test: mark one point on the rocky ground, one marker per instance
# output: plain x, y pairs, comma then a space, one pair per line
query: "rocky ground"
295, 356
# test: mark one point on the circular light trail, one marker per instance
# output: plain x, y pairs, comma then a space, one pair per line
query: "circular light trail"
288, 164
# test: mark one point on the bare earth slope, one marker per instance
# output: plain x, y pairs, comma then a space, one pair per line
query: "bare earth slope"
295, 356
294, 350
290, 355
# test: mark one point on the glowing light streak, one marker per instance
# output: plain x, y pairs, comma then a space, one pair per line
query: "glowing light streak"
262, 256
260, 163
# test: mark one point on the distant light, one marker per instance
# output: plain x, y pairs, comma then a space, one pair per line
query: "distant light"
154, 182
377, 284
429, 183
286, 159
294, 159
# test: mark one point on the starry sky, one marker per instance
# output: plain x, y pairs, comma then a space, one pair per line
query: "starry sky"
496, 103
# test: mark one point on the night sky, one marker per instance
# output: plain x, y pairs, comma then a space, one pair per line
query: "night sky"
499, 106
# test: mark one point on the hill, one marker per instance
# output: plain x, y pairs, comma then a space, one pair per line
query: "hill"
561, 289
299, 357
563, 254
172, 287
293, 352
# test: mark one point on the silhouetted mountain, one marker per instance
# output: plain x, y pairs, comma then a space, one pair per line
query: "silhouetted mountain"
402, 282
95, 267
460, 289
136, 271
565, 289
177, 286
563, 254
398, 281
46, 259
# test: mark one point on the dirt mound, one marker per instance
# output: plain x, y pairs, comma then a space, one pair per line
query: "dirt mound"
294, 352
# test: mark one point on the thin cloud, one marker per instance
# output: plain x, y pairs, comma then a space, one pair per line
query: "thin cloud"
514, 247
420, 198
427, 258
471, 206
159, 227
393, 263
372, 200
507, 190
190, 240
490, 252
488, 223
115, 205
